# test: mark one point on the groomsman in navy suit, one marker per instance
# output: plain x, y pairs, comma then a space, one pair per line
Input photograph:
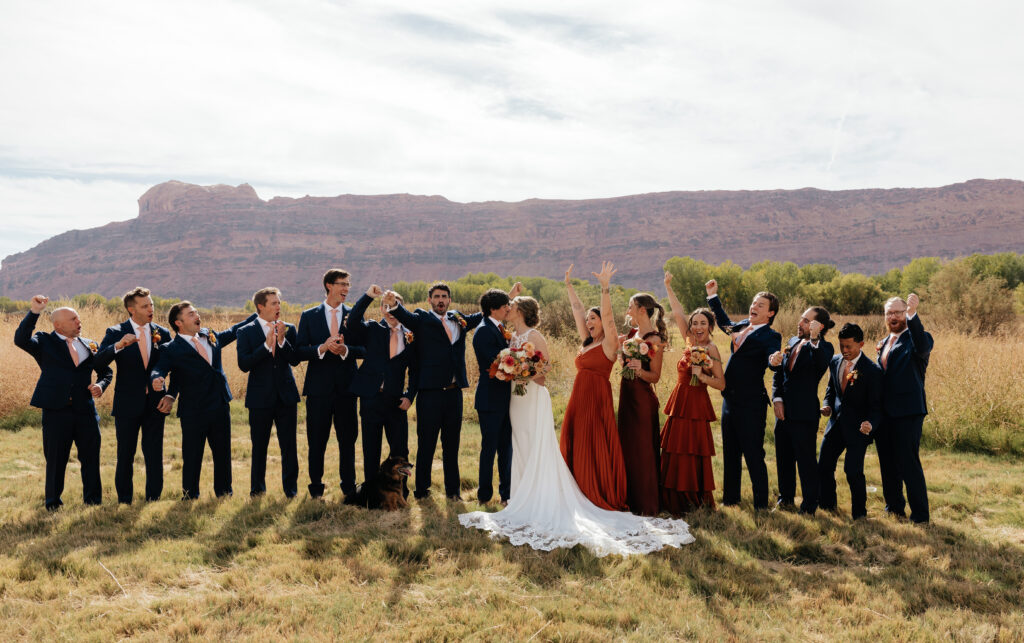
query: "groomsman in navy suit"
493, 397
266, 351
441, 350
745, 399
797, 411
65, 394
135, 346
380, 381
332, 365
903, 357
193, 362
853, 404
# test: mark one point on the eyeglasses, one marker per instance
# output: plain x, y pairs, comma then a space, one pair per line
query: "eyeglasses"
895, 313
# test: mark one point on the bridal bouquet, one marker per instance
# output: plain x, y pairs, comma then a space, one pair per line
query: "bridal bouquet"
636, 348
696, 356
518, 365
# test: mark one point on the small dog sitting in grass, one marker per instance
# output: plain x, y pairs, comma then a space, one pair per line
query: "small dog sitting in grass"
388, 490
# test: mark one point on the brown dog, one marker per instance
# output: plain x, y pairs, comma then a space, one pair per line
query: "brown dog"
388, 490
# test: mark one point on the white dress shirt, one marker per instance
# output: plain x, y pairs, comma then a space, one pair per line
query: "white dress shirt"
202, 342
144, 335
80, 347
453, 326
327, 315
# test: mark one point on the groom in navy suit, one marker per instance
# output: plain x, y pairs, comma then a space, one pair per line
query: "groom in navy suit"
193, 362
65, 393
135, 346
797, 411
745, 399
853, 404
903, 357
493, 397
266, 351
441, 350
332, 365
380, 382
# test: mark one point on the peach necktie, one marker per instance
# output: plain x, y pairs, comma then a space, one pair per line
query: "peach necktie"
737, 341
142, 347
202, 351
794, 353
74, 352
885, 353
334, 322
846, 377
394, 342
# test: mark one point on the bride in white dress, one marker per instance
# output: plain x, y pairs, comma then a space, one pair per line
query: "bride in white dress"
546, 508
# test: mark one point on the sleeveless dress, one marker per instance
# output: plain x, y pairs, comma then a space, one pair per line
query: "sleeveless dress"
639, 429
590, 440
547, 509
687, 446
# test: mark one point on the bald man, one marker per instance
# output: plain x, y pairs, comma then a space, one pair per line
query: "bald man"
65, 393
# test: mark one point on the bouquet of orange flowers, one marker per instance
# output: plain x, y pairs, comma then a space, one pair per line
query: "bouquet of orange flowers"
696, 356
518, 365
636, 348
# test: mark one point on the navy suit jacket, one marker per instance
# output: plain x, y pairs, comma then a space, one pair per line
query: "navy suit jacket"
379, 372
744, 374
202, 385
132, 392
331, 374
798, 388
440, 361
491, 394
270, 376
862, 399
61, 383
903, 379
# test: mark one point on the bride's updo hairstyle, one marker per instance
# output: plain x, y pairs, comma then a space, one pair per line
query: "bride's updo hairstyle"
529, 309
655, 312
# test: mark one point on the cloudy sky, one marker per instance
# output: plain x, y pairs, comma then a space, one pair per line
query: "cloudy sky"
481, 100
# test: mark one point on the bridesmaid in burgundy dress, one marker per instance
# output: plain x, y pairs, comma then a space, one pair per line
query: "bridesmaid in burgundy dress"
686, 442
639, 423
590, 439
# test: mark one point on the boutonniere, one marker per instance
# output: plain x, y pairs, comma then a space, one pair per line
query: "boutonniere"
787, 350
505, 332
459, 318
156, 337
93, 347
852, 376
879, 345
211, 337
409, 337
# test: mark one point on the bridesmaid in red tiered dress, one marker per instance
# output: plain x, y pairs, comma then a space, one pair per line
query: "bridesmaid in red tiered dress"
590, 438
686, 444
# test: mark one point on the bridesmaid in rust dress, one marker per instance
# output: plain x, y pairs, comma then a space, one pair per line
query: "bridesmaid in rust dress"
590, 439
686, 478
639, 424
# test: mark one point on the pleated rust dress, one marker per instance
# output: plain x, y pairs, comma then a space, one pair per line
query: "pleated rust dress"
590, 439
687, 445
639, 429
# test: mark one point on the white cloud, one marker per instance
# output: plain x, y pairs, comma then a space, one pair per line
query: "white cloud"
477, 101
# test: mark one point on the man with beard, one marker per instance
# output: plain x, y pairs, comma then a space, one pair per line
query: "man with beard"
903, 357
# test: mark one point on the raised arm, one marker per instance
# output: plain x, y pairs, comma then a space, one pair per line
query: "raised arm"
923, 341
715, 302
610, 344
578, 311
678, 312
23, 337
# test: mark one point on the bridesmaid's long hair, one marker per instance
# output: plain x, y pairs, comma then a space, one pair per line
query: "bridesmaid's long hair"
590, 338
655, 311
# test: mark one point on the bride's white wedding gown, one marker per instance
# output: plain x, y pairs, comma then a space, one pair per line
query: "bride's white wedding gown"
546, 508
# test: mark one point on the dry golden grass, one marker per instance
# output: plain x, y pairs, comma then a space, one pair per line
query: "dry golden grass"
272, 568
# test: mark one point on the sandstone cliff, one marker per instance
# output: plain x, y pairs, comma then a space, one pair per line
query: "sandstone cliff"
217, 244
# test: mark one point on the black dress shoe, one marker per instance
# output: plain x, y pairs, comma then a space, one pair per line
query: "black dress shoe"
454, 498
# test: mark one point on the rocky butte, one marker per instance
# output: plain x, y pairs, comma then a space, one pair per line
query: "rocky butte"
218, 244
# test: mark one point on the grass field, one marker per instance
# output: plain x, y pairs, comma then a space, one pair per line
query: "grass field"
271, 568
